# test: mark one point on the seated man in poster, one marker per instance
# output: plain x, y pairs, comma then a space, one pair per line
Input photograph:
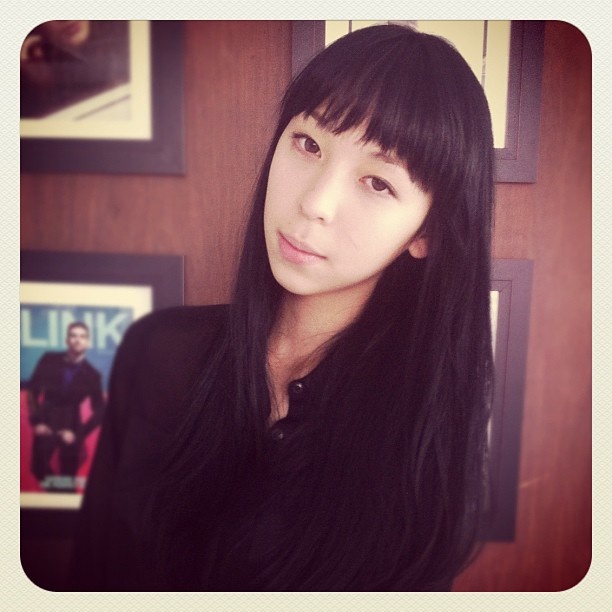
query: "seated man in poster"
59, 384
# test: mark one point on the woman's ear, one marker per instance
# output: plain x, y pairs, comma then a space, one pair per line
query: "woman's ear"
417, 247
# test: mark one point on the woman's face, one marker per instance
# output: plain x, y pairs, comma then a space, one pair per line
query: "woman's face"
338, 211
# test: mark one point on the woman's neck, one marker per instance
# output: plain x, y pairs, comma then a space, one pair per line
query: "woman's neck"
305, 324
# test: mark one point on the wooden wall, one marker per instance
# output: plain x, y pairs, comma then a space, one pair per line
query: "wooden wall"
235, 73
550, 222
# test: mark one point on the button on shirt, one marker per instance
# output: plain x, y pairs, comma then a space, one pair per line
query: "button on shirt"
297, 392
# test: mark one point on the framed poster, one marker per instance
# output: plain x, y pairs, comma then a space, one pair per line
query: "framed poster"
102, 96
74, 311
511, 281
506, 57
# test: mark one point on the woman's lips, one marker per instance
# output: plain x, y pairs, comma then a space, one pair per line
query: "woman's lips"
297, 252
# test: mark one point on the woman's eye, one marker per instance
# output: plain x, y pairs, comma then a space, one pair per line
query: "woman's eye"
307, 144
378, 185
311, 146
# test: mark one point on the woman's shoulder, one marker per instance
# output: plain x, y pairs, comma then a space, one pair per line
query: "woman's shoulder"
181, 321
179, 318
179, 333
162, 355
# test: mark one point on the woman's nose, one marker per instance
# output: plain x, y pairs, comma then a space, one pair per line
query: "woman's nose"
321, 199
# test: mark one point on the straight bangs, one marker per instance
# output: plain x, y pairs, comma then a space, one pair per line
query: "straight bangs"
406, 90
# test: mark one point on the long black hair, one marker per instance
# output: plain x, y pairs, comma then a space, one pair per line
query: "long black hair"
393, 474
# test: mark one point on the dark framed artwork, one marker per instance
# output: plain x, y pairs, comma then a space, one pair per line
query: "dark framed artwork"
511, 281
517, 161
113, 104
106, 292
516, 157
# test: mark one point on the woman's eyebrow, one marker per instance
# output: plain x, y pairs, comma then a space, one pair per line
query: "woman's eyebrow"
319, 121
388, 158
317, 117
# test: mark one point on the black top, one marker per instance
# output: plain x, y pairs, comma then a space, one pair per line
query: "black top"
155, 368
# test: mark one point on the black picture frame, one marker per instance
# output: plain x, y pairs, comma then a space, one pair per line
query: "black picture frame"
162, 273
517, 161
162, 154
512, 280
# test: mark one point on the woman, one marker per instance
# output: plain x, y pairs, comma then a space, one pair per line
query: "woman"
327, 431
